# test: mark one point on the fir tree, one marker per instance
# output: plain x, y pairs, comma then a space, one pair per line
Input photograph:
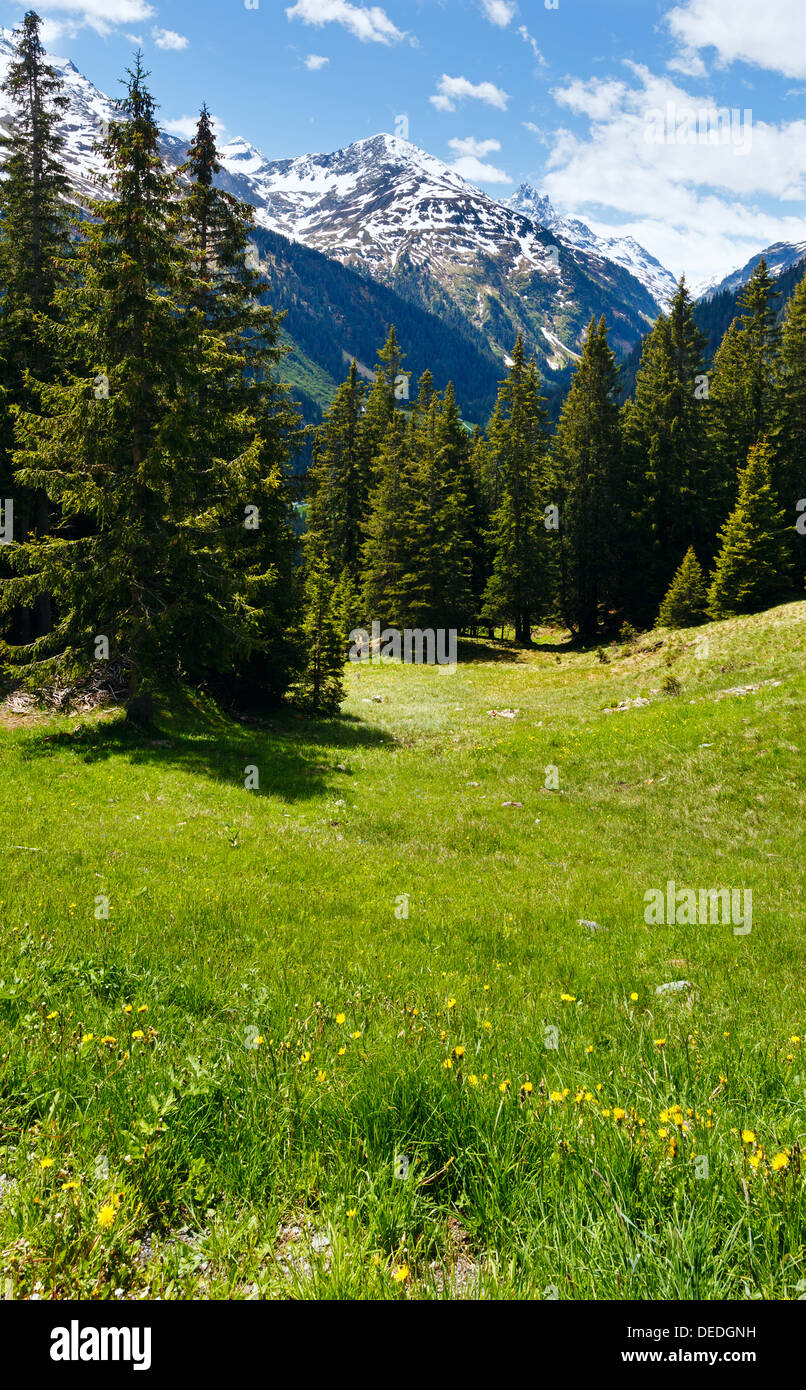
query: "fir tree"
324, 637
33, 244
585, 457
339, 478
140, 558
517, 588
685, 602
386, 554
790, 421
667, 501
751, 569
742, 394
245, 428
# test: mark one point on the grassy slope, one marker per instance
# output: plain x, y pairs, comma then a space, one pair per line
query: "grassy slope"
274, 910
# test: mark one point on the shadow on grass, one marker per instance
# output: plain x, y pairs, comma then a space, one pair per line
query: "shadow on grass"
505, 650
292, 753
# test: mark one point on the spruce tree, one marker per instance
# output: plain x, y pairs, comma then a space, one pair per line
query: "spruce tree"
138, 559
789, 434
245, 429
752, 567
324, 633
339, 478
586, 462
517, 588
387, 550
685, 602
742, 392
34, 233
667, 501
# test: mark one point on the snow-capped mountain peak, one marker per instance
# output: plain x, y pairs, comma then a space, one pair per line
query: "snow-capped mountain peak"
624, 251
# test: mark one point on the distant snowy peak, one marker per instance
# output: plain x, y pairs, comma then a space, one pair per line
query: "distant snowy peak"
779, 257
623, 251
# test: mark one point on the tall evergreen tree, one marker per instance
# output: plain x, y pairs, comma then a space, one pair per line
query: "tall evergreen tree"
340, 479
742, 393
34, 233
245, 428
752, 567
517, 589
586, 461
668, 493
789, 433
140, 558
386, 555
324, 635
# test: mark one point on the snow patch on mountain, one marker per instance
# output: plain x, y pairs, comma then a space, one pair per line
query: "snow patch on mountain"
623, 251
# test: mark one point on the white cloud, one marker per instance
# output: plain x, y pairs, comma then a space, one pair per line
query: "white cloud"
701, 205
453, 89
315, 61
370, 24
63, 18
471, 146
768, 35
500, 12
476, 171
169, 39
185, 126
532, 42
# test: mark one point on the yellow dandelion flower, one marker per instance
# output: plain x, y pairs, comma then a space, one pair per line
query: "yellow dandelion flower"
355, 1036
55, 1014
448, 1062
568, 998
755, 1159
557, 1096
138, 1033
473, 1079
321, 1076
451, 1004
589, 1049
779, 1161
341, 1018
401, 1274
68, 1186
342, 1051
143, 1009
527, 1088
106, 1216
618, 1113
127, 1008
663, 1133
45, 1163
88, 1037
794, 1039
108, 1039
748, 1136
352, 1211
504, 1087
660, 1042
634, 997
306, 1057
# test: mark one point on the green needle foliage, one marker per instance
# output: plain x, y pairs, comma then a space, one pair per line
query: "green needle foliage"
751, 567
685, 601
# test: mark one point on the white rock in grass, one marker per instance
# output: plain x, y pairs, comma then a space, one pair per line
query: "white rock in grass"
674, 987
591, 926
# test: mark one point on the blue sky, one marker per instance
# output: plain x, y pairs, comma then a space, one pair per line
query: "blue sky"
615, 108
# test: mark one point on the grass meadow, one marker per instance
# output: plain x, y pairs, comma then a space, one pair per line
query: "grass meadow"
343, 1035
